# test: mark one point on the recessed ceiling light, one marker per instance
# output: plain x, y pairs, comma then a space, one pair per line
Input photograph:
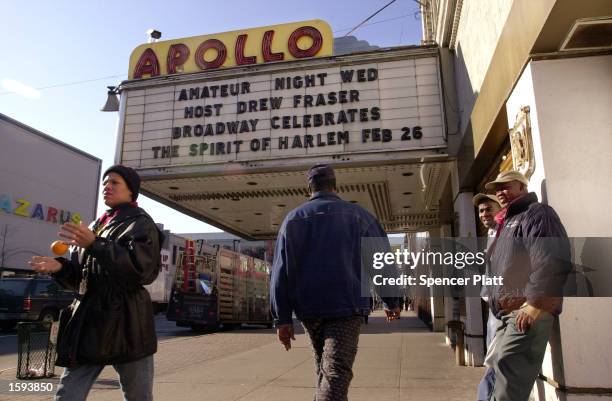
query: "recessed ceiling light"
407, 193
408, 174
173, 188
251, 183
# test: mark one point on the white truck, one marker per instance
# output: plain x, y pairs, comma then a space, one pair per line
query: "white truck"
43, 183
160, 289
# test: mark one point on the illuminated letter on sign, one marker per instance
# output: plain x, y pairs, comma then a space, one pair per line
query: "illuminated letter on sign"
177, 56
266, 48
147, 64
211, 44
313, 33
241, 59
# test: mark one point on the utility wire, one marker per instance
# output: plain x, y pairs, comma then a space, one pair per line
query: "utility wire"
80, 82
370, 17
71, 83
378, 22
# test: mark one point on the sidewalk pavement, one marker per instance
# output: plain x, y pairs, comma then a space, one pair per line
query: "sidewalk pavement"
398, 361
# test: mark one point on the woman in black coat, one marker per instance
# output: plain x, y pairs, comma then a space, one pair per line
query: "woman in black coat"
111, 320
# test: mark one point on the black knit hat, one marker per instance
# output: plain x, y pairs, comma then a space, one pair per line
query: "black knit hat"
131, 177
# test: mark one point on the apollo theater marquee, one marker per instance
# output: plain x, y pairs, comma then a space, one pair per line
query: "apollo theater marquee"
223, 127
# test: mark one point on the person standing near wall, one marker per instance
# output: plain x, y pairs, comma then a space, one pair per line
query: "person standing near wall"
488, 206
531, 253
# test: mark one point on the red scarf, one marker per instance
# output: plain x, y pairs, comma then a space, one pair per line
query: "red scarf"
500, 217
111, 213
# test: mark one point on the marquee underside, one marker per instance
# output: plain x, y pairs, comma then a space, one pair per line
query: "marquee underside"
403, 196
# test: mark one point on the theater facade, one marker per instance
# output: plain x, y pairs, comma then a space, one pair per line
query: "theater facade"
223, 127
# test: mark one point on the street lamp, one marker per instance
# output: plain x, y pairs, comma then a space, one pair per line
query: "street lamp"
112, 103
154, 35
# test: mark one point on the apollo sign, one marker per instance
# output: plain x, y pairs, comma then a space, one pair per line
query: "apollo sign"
230, 49
331, 108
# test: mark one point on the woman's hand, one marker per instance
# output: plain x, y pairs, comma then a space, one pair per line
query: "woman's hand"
45, 264
77, 235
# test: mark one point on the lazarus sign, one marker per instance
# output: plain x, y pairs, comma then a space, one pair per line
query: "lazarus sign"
231, 49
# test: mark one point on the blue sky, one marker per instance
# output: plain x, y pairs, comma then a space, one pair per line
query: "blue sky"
46, 44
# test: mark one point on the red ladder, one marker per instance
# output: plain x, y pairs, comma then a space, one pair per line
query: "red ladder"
189, 268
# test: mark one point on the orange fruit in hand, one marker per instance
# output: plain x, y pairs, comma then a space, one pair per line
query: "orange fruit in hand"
59, 248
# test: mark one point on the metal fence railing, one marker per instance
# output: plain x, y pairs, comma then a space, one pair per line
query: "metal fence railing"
36, 349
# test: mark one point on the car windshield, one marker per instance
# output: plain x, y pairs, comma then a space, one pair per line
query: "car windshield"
10, 287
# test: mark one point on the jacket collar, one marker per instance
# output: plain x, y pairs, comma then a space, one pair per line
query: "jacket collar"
123, 212
521, 204
324, 194
128, 213
121, 207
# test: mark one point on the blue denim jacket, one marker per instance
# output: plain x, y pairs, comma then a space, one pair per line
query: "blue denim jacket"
317, 260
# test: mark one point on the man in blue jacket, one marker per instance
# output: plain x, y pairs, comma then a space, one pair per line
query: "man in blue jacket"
532, 254
317, 275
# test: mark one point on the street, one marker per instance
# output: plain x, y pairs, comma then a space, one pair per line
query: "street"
8, 349
166, 331
211, 345
401, 360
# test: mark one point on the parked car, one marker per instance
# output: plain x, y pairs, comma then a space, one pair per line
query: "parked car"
31, 299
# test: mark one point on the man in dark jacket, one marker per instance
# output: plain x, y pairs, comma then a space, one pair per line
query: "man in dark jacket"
487, 206
317, 275
532, 254
111, 320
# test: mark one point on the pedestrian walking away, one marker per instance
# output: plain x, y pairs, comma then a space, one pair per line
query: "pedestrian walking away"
316, 274
111, 320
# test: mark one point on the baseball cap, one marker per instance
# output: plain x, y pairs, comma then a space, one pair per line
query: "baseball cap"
506, 176
320, 171
477, 200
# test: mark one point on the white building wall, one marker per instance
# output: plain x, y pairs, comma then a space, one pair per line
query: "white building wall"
43, 172
570, 102
475, 48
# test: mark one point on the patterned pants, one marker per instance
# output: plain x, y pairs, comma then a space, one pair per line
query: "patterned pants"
334, 342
